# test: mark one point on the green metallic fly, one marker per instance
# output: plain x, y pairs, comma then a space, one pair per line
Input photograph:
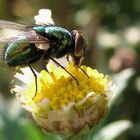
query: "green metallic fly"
45, 42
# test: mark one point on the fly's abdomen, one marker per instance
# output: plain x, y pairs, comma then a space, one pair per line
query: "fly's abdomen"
21, 54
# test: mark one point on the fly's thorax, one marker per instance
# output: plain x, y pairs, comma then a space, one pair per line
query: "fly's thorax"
59, 34
40, 30
55, 34
60, 40
63, 39
18, 54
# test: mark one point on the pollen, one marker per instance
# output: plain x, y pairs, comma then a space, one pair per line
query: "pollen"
60, 89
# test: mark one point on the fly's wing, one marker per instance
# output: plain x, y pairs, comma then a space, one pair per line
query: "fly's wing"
23, 28
24, 37
28, 37
26, 34
14, 26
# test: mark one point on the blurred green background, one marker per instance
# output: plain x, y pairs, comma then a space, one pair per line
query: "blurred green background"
113, 31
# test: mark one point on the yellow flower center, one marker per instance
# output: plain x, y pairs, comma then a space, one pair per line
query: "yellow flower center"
61, 89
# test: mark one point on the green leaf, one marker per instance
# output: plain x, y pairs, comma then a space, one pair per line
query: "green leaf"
113, 130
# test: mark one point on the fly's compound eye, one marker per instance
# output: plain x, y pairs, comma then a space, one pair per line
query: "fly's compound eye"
79, 43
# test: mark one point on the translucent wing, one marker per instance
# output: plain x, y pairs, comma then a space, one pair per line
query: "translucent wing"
26, 34
14, 26
29, 37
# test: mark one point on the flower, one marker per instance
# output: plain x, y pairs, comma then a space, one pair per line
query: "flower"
61, 106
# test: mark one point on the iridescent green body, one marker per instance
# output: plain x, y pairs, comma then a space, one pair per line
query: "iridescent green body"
61, 42
55, 34
60, 39
21, 54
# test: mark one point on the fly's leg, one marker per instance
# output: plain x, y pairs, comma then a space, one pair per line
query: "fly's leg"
64, 69
78, 61
35, 76
79, 66
83, 71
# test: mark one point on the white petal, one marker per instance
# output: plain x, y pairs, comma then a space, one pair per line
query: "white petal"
44, 17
